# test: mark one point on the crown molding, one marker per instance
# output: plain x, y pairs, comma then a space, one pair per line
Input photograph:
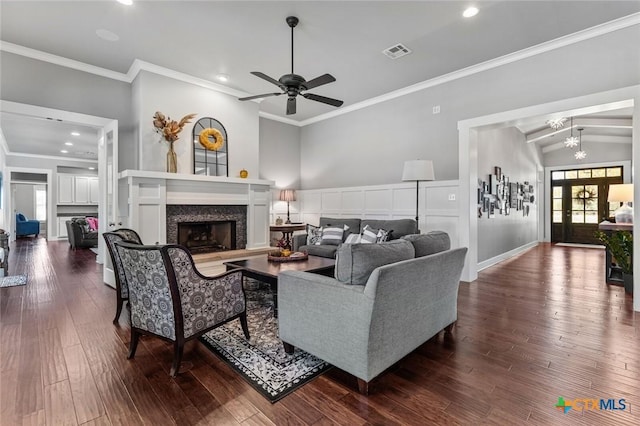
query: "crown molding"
274, 117
62, 61
52, 157
139, 65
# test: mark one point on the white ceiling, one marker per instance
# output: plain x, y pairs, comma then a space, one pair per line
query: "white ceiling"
345, 39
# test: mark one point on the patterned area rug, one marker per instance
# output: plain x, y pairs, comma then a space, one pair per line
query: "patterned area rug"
262, 360
13, 280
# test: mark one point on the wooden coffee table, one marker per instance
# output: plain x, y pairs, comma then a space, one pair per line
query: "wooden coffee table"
261, 269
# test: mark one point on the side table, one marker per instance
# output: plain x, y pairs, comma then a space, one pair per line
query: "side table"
612, 273
287, 231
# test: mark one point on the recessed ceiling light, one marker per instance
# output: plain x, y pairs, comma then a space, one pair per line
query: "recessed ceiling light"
64, 151
222, 77
75, 133
126, 2
470, 11
92, 168
107, 35
68, 143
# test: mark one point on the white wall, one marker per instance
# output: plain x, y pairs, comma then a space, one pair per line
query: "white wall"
507, 148
368, 146
280, 153
176, 99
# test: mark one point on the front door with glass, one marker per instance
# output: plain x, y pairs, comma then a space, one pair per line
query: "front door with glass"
579, 203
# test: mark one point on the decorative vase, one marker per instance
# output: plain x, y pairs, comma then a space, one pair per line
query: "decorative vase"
278, 220
172, 160
244, 174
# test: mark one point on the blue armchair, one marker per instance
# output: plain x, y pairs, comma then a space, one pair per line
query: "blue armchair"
25, 226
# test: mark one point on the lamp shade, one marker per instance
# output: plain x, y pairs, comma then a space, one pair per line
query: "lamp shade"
621, 193
418, 170
287, 195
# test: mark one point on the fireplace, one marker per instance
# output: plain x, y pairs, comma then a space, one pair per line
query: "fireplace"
209, 236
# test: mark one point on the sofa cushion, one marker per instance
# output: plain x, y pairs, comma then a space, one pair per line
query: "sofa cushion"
397, 227
320, 250
355, 262
353, 224
429, 243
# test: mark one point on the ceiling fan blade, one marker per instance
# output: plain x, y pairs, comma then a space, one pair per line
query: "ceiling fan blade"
266, 77
323, 99
248, 98
291, 106
319, 81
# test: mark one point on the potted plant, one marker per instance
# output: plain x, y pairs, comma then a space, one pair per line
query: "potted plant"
620, 245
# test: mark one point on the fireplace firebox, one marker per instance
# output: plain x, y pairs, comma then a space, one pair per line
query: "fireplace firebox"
209, 236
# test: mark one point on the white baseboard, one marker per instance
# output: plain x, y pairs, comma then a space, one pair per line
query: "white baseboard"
504, 256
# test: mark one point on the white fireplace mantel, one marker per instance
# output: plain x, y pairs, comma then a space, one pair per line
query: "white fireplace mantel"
146, 195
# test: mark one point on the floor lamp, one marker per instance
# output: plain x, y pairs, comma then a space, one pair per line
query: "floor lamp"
418, 170
288, 195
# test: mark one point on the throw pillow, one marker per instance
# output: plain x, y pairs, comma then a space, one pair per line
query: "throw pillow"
333, 236
369, 235
93, 223
374, 236
314, 235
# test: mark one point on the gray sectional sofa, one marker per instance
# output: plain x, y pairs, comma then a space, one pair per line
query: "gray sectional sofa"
385, 300
399, 228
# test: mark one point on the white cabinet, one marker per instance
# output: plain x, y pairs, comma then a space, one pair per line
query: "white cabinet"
73, 189
62, 226
82, 190
94, 191
65, 189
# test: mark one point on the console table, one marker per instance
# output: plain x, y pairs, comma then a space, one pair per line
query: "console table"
612, 273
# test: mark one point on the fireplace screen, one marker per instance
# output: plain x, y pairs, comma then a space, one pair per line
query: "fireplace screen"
204, 237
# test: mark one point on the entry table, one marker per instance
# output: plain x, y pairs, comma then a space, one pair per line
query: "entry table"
613, 274
287, 231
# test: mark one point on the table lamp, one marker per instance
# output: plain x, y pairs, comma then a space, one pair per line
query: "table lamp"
288, 195
622, 193
418, 170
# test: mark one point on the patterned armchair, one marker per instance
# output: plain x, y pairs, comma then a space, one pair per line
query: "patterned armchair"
170, 299
122, 290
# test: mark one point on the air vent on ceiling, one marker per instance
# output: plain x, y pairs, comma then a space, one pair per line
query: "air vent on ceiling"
396, 51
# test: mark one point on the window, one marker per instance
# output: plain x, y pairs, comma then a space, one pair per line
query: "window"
41, 203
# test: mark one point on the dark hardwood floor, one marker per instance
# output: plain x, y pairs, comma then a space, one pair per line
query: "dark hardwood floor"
534, 328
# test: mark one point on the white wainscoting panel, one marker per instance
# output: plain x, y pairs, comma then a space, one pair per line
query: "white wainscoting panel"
395, 201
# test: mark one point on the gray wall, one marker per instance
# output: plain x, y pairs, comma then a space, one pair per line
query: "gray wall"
34, 82
602, 152
23, 194
369, 146
507, 148
280, 153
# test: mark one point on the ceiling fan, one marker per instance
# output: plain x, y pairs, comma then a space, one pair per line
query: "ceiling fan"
293, 84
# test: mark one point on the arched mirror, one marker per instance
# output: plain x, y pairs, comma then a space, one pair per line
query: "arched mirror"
210, 148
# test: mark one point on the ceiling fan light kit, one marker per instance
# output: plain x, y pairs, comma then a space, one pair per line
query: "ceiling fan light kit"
293, 84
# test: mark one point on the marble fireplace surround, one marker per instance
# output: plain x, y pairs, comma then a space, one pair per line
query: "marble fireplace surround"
152, 198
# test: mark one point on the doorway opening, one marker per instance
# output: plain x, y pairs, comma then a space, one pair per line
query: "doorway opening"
578, 202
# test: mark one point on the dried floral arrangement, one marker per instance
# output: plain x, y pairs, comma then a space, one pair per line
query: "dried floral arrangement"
168, 128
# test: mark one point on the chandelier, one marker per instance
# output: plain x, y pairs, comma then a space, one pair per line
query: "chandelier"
571, 141
556, 123
580, 154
